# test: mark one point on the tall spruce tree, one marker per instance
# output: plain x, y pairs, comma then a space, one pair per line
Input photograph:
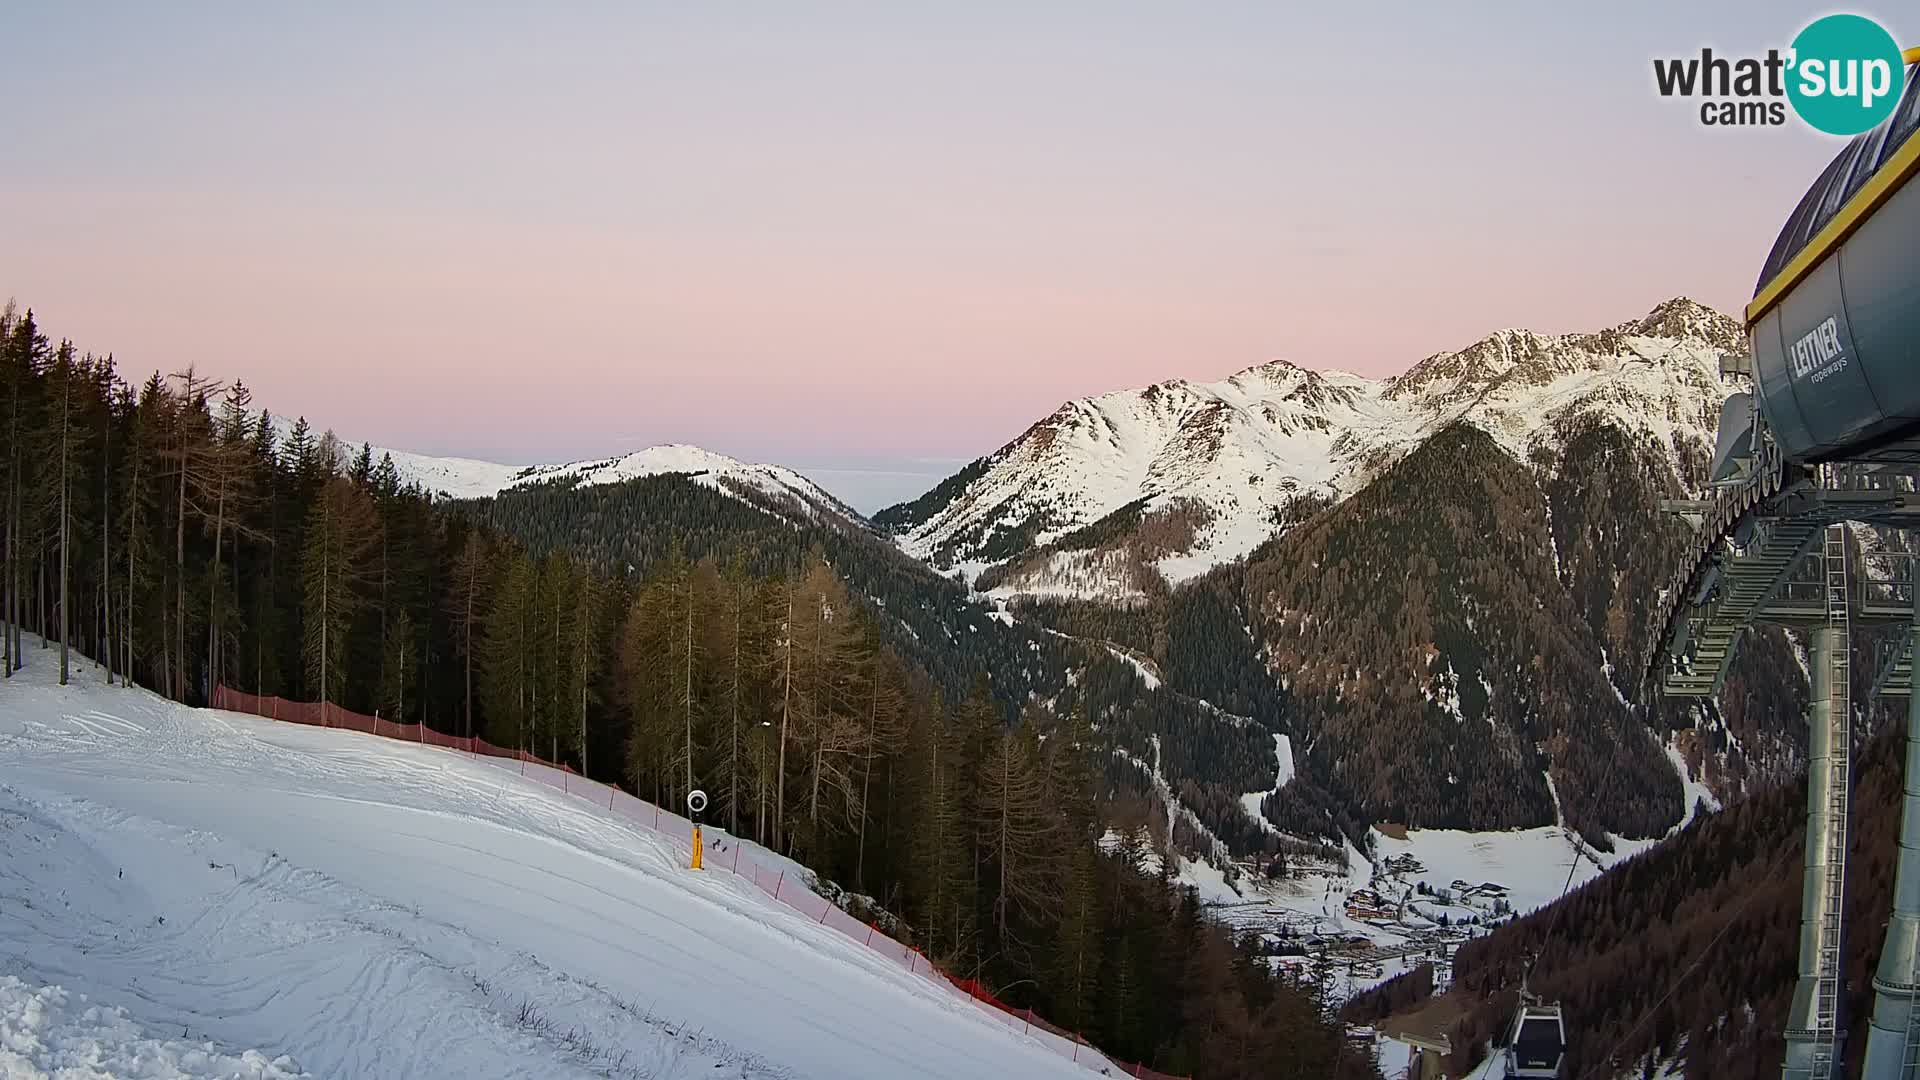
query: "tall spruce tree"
506, 651
341, 533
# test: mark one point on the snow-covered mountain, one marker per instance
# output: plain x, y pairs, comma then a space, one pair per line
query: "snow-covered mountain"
774, 487
1112, 496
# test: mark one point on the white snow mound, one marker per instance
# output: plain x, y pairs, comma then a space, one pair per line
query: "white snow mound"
46, 1031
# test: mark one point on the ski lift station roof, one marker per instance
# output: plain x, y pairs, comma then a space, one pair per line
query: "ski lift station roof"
1835, 318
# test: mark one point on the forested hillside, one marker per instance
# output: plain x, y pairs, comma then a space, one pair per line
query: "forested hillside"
635, 525
1210, 753
1715, 913
166, 532
1422, 625
1462, 632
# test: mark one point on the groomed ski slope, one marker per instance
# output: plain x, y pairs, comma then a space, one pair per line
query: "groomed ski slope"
223, 889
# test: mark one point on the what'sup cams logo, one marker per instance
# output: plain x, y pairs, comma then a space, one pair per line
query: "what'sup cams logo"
1843, 75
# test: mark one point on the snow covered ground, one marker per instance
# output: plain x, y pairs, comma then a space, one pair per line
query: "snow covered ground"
1531, 864
46, 1031
231, 894
1394, 1057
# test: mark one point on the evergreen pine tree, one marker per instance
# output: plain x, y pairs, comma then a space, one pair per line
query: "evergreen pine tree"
341, 533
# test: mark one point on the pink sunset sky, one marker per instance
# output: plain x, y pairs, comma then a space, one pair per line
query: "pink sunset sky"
867, 240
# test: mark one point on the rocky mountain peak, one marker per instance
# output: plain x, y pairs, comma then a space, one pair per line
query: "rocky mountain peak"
1685, 319
1238, 455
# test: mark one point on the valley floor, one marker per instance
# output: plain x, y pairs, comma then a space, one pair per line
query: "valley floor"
238, 897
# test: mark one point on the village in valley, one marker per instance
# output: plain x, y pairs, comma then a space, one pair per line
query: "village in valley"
1347, 929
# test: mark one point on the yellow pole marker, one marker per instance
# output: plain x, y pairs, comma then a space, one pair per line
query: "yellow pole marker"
1911, 56
697, 805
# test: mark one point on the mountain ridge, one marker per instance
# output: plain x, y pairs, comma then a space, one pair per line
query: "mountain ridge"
1220, 465
774, 487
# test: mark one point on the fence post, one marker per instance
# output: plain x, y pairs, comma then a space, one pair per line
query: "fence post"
823, 913
610, 790
777, 884
870, 929
1029, 1030
736, 855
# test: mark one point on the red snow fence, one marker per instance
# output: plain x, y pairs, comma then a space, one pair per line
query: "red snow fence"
723, 854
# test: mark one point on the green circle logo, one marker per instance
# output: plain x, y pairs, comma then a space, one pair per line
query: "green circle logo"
1846, 75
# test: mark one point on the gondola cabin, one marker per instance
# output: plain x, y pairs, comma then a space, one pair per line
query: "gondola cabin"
1538, 1044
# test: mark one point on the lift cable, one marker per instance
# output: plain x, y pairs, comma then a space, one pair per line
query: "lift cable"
1573, 834
1573, 866
1674, 984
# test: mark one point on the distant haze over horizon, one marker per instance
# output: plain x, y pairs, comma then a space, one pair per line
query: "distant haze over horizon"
867, 242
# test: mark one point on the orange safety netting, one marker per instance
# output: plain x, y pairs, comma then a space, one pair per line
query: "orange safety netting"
724, 853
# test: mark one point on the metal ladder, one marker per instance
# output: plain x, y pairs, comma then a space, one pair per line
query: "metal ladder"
1840, 693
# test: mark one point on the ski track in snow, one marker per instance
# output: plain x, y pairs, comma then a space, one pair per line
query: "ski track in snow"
369, 908
1283, 759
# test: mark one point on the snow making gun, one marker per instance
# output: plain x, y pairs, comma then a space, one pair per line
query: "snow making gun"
696, 805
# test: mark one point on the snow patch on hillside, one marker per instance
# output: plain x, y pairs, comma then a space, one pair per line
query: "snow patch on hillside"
454, 477
1207, 881
1283, 758
1147, 677
1696, 792
1074, 575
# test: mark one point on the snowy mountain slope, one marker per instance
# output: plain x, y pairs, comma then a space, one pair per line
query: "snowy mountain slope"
1192, 475
774, 487
454, 477
367, 908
